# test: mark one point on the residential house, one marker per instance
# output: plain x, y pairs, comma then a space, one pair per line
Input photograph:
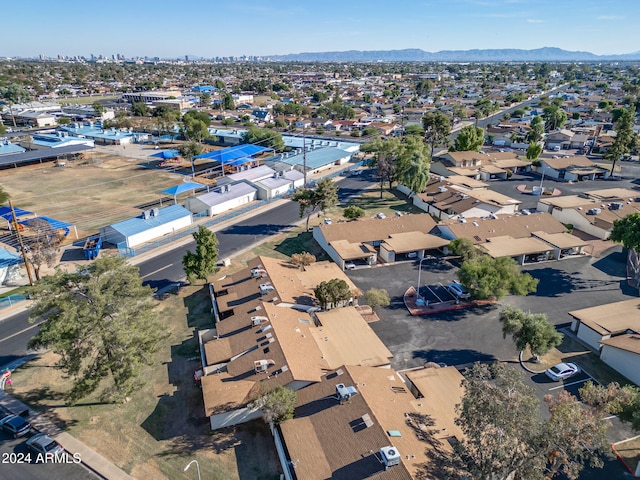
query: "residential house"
361, 422
368, 239
592, 212
526, 238
571, 168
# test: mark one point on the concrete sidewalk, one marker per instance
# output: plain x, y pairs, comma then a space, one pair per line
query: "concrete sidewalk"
90, 459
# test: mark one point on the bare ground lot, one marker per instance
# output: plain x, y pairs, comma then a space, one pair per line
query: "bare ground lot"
163, 426
100, 189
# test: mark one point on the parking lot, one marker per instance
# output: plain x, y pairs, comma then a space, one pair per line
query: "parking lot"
461, 337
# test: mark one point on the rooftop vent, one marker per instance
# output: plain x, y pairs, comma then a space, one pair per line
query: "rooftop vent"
146, 214
258, 272
266, 288
155, 212
390, 456
442, 189
257, 320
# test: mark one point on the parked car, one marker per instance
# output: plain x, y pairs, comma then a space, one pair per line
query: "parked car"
15, 425
355, 173
42, 443
457, 290
562, 371
349, 266
412, 254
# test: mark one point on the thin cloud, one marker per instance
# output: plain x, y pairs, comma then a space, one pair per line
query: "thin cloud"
533, 20
610, 17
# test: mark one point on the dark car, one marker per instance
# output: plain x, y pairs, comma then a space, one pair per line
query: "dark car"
15, 425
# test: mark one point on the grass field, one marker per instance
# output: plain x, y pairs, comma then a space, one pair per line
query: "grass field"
163, 426
85, 100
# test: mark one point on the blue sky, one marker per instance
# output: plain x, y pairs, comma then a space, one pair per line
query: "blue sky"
256, 27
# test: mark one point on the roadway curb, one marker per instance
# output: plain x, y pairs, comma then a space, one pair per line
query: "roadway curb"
15, 309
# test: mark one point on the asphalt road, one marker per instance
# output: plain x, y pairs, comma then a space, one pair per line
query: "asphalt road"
166, 268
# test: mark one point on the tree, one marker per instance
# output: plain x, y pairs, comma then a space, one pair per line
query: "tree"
190, 150
529, 330
303, 259
4, 196
437, 127
377, 297
505, 438
536, 130
139, 109
614, 400
227, 102
324, 196
98, 109
277, 406
306, 202
533, 151
353, 212
194, 129
102, 322
414, 130
627, 232
13, 94
469, 138
493, 278
413, 164
264, 137
63, 121
197, 115
499, 416
332, 293
626, 138
463, 247
43, 244
202, 263
554, 117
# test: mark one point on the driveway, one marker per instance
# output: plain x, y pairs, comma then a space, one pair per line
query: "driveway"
461, 337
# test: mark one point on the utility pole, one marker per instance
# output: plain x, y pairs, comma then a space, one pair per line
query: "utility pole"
304, 157
22, 250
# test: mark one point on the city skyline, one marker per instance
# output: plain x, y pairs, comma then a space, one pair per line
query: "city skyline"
251, 28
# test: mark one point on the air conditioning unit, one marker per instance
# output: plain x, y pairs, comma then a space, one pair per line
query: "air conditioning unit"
390, 456
257, 320
442, 189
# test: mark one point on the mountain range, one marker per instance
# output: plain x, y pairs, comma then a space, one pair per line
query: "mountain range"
546, 54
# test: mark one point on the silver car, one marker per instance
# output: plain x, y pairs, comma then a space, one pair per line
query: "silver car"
562, 371
42, 443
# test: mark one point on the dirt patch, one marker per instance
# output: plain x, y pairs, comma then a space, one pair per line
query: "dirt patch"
98, 190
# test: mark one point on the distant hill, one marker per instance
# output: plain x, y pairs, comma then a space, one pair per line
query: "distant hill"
546, 54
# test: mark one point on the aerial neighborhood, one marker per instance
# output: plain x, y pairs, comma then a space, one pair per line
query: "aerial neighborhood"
327, 270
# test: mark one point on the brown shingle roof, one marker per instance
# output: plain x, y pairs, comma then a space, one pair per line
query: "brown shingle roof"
630, 343
376, 229
516, 226
563, 163
612, 318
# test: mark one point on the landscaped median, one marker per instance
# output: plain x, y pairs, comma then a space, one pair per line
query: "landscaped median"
410, 301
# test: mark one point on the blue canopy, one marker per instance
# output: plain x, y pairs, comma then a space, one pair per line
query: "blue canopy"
5, 212
8, 258
228, 155
167, 154
183, 187
57, 224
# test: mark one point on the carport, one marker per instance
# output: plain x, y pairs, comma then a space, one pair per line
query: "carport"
407, 242
522, 250
564, 244
349, 252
